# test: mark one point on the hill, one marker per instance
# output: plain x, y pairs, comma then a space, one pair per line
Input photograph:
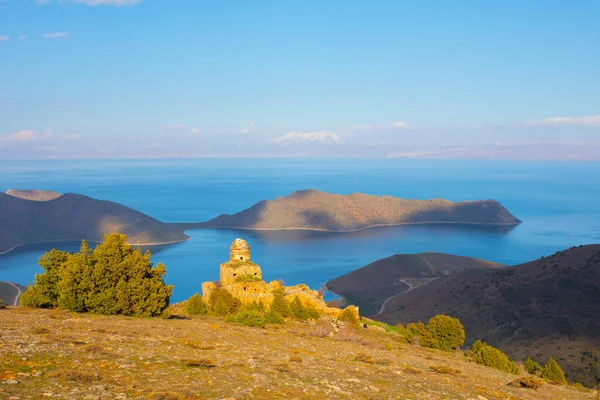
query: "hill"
313, 209
10, 292
59, 354
370, 286
547, 307
75, 217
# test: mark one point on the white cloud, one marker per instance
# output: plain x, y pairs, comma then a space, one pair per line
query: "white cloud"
56, 35
399, 124
324, 137
593, 120
4, 38
173, 127
22, 37
244, 130
194, 130
20, 136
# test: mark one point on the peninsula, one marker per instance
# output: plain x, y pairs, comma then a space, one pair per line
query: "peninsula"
43, 216
317, 210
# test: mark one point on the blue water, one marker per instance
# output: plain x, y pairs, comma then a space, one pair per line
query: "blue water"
557, 202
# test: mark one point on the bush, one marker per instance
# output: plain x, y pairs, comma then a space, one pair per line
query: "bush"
553, 373
418, 334
280, 305
112, 279
532, 367
349, 315
301, 312
222, 303
447, 332
487, 355
442, 369
249, 318
196, 306
257, 306
273, 317
529, 382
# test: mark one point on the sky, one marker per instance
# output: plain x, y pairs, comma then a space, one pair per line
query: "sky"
505, 79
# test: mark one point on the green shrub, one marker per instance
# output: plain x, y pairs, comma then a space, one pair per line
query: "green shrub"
302, 312
114, 278
482, 353
273, 317
553, 373
417, 333
196, 306
447, 332
257, 306
528, 382
532, 367
222, 303
248, 317
349, 315
280, 305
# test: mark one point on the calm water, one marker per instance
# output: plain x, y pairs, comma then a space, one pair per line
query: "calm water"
557, 201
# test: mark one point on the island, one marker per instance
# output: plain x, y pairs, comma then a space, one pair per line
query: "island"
43, 216
317, 210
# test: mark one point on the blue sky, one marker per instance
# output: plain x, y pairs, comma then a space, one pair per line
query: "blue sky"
190, 78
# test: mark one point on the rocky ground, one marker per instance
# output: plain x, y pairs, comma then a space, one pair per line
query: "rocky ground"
59, 354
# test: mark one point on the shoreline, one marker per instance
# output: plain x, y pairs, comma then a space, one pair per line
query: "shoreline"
350, 230
88, 241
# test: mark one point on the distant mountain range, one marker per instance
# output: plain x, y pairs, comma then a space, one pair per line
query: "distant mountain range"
544, 308
317, 210
42, 216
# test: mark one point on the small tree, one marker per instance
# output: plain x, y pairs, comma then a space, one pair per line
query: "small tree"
554, 373
349, 315
222, 303
482, 353
195, 305
417, 333
448, 332
298, 310
532, 367
280, 305
248, 317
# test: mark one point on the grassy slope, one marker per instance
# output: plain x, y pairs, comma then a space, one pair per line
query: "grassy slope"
54, 353
547, 307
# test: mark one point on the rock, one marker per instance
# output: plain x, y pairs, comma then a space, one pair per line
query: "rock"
11, 381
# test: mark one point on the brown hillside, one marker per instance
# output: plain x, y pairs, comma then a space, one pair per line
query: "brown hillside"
547, 307
76, 217
370, 286
54, 354
37, 195
313, 209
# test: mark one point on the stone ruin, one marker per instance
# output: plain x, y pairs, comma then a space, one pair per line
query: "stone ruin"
243, 279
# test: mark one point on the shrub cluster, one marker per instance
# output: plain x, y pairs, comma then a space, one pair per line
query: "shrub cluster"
482, 353
195, 305
442, 332
553, 373
112, 279
532, 367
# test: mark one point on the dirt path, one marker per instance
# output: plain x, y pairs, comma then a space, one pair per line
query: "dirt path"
382, 307
19, 292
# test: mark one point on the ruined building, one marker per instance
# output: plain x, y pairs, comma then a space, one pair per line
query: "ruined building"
243, 279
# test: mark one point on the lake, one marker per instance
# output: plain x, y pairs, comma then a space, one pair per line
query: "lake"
557, 202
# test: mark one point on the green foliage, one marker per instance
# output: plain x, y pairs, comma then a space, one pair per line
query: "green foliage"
273, 317
195, 305
248, 278
554, 373
482, 353
416, 332
222, 303
448, 332
248, 317
388, 328
532, 367
349, 315
257, 306
114, 278
302, 312
280, 305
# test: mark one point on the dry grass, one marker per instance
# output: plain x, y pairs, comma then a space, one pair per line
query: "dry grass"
529, 382
40, 330
443, 369
204, 363
206, 358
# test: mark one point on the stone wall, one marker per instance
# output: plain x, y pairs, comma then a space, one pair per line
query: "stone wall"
233, 272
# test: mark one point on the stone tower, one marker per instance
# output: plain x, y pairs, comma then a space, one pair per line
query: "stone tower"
239, 251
